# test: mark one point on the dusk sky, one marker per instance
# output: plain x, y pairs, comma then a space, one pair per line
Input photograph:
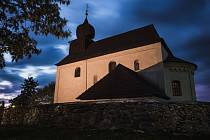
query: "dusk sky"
184, 24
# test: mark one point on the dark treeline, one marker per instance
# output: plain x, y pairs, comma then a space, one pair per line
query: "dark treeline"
32, 95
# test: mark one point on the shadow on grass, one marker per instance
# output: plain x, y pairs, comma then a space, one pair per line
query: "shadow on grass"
84, 134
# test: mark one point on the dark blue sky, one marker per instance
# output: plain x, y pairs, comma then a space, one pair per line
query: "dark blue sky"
184, 24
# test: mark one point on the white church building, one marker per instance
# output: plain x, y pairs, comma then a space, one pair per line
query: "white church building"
134, 64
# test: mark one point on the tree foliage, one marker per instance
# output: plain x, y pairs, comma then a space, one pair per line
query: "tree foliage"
29, 86
28, 89
20, 18
44, 95
30, 95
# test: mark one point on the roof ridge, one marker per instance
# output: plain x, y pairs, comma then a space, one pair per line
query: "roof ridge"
123, 33
142, 87
138, 76
128, 40
179, 60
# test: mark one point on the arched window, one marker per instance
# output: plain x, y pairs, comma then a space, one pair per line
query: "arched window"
95, 79
112, 65
136, 65
176, 88
77, 72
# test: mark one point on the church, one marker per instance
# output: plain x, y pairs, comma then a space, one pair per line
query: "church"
134, 64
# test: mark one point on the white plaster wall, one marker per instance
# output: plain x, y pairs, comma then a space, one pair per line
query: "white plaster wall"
155, 75
186, 78
55, 100
147, 56
164, 53
192, 84
68, 87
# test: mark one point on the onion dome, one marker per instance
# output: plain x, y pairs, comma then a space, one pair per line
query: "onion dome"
85, 30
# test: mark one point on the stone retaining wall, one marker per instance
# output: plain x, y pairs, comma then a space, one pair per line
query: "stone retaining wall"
140, 116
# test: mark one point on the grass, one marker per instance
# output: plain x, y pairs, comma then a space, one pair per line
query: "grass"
79, 134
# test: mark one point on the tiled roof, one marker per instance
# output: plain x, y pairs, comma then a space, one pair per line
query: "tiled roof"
121, 83
178, 60
172, 58
128, 40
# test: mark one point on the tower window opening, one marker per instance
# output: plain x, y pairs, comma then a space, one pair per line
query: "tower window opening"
176, 88
112, 65
136, 65
77, 72
95, 79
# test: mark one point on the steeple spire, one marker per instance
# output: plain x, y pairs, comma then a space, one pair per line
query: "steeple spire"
85, 30
86, 11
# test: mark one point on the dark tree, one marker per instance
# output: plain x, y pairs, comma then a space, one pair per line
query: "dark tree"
28, 89
29, 86
44, 95
20, 18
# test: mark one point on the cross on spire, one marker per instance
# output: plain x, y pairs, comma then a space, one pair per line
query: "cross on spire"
86, 13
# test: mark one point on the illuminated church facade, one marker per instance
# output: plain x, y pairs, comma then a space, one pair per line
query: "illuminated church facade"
134, 64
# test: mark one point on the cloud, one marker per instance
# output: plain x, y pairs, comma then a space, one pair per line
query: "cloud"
202, 43
5, 96
171, 12
33, 71
50, 55
7, 57
197, 50
63, 47
43, 74
4, 76
100, 13
50, 40
204, 92
8, 96
104, 9
5, 84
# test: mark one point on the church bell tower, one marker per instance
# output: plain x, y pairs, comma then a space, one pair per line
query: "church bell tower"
85, 33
